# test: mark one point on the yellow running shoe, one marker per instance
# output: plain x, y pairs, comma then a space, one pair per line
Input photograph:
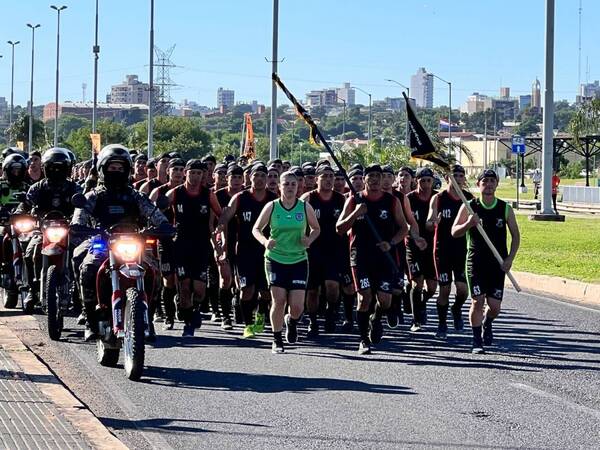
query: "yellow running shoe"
249, 332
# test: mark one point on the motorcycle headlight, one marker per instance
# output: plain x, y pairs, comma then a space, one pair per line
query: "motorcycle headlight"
127, 250
55, 234
24, 225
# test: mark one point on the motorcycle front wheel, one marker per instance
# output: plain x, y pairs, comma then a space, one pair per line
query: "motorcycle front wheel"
134, 340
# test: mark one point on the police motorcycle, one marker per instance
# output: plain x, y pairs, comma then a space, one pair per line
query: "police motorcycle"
124, 319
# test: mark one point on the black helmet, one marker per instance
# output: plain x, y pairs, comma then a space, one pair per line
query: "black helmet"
72, 157
56, 163
109, 154
10, 162
10, 151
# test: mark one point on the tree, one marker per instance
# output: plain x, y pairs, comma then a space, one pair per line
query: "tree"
19, 131
80, 143
527, 126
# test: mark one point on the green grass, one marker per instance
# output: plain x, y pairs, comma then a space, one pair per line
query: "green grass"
507, 189
569, 249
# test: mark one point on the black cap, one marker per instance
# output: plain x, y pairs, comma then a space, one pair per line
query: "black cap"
424, 172
487, 173
228, 158
297, 171
195, 164
221, 168
175, 155
177, 162
373, 168
355, 172
410, 170
140, 156
308, 163
309, 170
209, 158
275, 161
324, 168
234, 169
151, 164
259, 168
458, 168
272, 167
323, 161
338, 173
165, 155
388, 169
356, 166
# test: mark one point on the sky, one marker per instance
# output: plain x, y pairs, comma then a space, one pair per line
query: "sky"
478, 45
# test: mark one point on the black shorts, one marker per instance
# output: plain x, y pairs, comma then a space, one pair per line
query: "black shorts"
345, 275
485, 278
287, 276
166, 255
249, 269
420, 262
191, 260
321, 268
450, 265
374, 274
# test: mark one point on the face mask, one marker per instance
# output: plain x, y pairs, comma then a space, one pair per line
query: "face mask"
115, 180
56, 175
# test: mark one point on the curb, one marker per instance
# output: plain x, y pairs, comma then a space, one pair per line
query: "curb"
573, 291
82, 419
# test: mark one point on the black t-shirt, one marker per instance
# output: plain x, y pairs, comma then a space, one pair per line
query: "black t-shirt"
447, 207
248, 210
162, 190
327, 213
420, 210
192, 214
493, 219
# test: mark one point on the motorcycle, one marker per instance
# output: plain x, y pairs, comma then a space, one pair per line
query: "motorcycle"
55, 281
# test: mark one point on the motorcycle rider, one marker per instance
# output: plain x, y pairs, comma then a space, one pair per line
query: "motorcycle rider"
111, 202
52, 193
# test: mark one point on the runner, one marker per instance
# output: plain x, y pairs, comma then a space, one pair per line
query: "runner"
194, 208
151, 173
324, 267
273, 179
246, 207
449, 253
420, 261
310, 178
286, 259
484, 275
220, 177
162, 165
406, 180
371, 270
339, 183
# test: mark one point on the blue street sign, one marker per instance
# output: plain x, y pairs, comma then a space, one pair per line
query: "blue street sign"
518, 144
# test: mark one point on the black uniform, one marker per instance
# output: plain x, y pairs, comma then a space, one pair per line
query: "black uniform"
420, 262
224, 198
370, 267
249, 253
166, 247
323, 262
192, 241
450, 253
484, 274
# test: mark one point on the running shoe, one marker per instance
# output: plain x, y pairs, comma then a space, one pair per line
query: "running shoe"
277, 347
441, 333
226, 324
82, 318
188, 331
488, 335
416, 327
313, 329
330, 325
347, 326
459, 323
364, 348
249, 332
291, 332
376, 330
259, 323
169, 323
392, 318
215, 318
477, 350
158, 317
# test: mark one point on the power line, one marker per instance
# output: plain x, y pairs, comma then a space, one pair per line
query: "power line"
163, 82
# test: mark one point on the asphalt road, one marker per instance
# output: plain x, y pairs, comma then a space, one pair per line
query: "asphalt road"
538, 387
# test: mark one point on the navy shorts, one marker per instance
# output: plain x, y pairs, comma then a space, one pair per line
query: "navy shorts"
287, 276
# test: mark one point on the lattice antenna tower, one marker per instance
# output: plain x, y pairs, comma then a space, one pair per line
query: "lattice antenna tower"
162, 81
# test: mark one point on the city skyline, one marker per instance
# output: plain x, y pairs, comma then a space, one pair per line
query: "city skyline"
209, 55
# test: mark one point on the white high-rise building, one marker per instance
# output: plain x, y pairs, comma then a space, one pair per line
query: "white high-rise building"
347, 93
225, 98
421, 88
131, 91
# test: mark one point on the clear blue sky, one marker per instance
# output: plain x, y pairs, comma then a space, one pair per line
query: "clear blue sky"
479, 45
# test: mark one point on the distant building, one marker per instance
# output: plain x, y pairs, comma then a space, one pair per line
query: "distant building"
588, 91
347, 93
524, 102
474, 103
394, 103
129, 113
225, 98
131, 91
323, 97
3, 106
536, 95
421, 88
504, 92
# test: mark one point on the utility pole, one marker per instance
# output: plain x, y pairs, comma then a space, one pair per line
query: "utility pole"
30, 141
151, 76
548, 127
273, 151
58, 9
96, 51
12, 82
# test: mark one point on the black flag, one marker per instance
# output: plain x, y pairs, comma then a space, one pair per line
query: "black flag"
420, 142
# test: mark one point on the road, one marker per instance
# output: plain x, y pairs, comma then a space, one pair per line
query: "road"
539, 387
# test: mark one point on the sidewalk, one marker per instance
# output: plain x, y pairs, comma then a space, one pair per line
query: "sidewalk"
36, 410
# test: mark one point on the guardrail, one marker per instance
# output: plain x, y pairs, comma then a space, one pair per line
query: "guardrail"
574, 208
581, 194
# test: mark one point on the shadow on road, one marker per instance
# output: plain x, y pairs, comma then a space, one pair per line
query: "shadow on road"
267, 384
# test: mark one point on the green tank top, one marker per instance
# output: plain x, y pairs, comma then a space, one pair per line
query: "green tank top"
287, 228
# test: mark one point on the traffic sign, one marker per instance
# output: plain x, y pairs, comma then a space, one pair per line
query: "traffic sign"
518, 144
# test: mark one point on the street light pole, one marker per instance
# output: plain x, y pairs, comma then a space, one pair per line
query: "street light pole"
449, 110
96, 51
12, 81
151, 75
273, 151
548, 123
408, 95
58, 9
369, 123
30, 141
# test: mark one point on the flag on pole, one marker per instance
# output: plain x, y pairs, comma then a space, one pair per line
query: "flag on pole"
21, 145
313, 136
96, 142
249, 150
419, 141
